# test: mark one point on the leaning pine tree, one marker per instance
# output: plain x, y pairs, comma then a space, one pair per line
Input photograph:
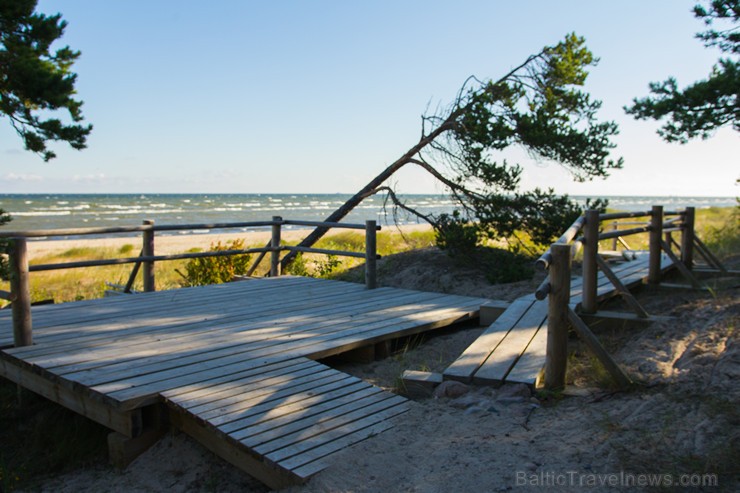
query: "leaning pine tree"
538, 106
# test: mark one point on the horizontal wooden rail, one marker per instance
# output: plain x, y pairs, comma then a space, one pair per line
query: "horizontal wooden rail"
623, 232
543, 262
142, 258
626, 215
324, 251
184, 227
45, 233
291, 222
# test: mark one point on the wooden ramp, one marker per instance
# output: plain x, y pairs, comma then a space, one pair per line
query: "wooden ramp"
513, 348
284, 419
232, 362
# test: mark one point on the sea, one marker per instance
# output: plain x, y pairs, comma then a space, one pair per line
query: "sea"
56, 211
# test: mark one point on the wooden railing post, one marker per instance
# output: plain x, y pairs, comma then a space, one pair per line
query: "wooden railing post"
557, 317
19, 287
371, 273
275, 245
687, 237
590, 251
147, 250
615, 227
656, 237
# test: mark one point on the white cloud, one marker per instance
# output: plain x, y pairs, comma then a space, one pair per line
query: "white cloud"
13, 177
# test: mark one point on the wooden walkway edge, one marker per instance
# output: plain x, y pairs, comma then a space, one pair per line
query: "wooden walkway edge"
232, 364
513, 348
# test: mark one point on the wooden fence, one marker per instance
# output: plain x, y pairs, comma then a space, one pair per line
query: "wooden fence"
587, 232
19, 294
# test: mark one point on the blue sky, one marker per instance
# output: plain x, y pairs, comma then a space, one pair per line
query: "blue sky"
289, 96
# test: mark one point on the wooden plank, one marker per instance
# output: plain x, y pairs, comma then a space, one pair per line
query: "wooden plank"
319, 433
344, 310
214, 397
231, 408
410, 325
475, 355
528, 367
270, 474
283, 344
104, 329
100, 330
292, 405
210, 391
53, 315
336, 439
134, 398
296, 423
128, 423
497, 366
236, 343
186, 335
491, 310
261, 391
315, 460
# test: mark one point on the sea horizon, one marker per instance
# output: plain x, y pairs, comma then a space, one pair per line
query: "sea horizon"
33, 211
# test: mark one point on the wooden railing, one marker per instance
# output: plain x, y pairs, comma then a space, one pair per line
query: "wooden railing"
585, 232
19, 294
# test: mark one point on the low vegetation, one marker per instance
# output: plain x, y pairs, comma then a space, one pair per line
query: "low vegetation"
216, 270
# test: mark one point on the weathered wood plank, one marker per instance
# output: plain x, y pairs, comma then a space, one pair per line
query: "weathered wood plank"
287, 342
295, 404
274, 476
210, 391
292, 425
337, 439
495, 369
315, 460
231, 328
476, 354
128, 423
528, 367
102, 331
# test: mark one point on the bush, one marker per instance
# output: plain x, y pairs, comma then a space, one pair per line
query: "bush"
298, 267
502, 266
216, 270
456, 236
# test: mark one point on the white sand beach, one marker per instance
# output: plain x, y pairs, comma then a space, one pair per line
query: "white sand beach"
167, 244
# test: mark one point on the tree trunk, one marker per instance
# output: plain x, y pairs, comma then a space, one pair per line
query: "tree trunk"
367, 190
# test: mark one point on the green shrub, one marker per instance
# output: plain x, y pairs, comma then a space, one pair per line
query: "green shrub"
126, 249
455, 235
502, 266
216, 270
298, 267
324, 268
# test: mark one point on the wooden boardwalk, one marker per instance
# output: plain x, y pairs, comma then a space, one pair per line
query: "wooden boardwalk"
512, 349
233, 364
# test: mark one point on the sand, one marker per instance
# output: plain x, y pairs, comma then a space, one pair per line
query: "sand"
173, 243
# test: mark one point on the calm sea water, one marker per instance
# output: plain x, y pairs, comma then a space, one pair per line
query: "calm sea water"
44, 211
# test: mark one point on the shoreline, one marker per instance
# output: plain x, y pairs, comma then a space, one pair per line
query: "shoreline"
170, 244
